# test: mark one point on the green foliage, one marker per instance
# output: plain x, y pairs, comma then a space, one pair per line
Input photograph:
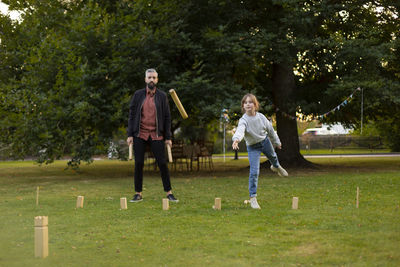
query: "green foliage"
368, 129
334, 48
69, 68
82, 63
66, 99
389, 128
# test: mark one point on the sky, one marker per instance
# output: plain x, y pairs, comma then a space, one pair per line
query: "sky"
4, 10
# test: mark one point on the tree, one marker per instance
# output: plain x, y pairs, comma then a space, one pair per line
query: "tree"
81, 61
369, 59
308, 55
65, 97
71, 66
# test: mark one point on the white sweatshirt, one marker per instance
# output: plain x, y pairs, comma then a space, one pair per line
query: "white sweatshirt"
255, 129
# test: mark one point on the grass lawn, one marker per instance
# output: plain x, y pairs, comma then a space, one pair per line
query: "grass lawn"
326, 230
336, 151
343, 151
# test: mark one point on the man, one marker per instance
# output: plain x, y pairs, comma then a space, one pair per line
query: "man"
150, 124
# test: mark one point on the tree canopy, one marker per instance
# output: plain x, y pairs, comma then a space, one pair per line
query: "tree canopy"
68, 68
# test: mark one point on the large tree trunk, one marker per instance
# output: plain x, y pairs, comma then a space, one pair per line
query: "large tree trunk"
283, 83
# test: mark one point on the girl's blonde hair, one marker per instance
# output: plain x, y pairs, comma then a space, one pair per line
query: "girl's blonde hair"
253, 99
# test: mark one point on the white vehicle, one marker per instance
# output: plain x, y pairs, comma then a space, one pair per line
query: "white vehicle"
334, 129
318, 131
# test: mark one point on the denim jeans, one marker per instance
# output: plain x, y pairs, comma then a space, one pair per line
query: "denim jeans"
254, 152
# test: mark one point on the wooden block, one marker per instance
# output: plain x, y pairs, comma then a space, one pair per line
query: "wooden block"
130, 151
295, 203
124, 206
41, 237
178, 103
165, 204
169, 154
41, 221
79, 202
217, 203
357, 196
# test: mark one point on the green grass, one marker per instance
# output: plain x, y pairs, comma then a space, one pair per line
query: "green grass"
343, 151
335, 151
326, 230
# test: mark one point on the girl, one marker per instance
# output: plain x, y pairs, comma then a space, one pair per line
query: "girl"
260, 137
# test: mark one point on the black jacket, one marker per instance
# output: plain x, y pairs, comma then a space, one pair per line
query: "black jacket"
163, 114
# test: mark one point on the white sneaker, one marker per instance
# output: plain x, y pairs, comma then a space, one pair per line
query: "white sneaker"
281, 171
254, 203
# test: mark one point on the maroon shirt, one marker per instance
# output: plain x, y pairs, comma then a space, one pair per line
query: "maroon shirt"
148, 126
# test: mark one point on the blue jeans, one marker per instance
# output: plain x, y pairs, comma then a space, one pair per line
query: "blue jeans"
254, 152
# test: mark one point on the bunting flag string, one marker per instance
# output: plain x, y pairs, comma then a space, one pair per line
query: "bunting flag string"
337, 108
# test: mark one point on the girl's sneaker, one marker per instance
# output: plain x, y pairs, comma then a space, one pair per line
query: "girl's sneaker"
281, 171
254, 203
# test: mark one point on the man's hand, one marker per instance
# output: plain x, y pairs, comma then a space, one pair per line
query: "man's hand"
129, 140
168, 143
235, 145
278, 147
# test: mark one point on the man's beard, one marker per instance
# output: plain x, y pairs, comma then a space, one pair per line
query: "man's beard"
151, 85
